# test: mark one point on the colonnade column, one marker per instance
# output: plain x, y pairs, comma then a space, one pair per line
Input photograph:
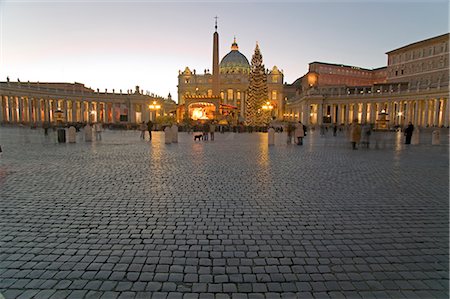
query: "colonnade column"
347, 113
445, 115
31, 109
417, 113
437, 103
364, 113
319, 114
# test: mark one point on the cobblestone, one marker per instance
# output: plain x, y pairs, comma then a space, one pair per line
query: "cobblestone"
233, 218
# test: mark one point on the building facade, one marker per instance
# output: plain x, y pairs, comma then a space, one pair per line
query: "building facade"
35, 103
413, 87
199, 100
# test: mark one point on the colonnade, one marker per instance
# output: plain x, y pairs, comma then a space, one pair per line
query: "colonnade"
32, 109
433, 111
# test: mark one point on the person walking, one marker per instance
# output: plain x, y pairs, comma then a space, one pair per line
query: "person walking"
408, 133
45, 125
205, 131
355, 133
142, 127
149, 128
299, 133
98, 131
366, 131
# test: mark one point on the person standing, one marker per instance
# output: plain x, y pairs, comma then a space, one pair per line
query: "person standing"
142, 128
212, 129
299, 133
408, 133
355, 133
149, 128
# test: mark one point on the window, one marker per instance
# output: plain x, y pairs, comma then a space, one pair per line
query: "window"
230, 94
274, 94
238, 95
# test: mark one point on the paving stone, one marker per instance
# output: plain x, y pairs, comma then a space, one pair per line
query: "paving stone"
278, 221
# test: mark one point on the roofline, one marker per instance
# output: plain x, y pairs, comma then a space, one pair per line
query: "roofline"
344, 65
442, 36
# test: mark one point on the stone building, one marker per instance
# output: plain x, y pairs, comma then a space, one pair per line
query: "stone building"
197, 98
413, 87
36, 102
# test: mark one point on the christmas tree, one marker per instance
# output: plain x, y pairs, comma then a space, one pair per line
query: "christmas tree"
257, 92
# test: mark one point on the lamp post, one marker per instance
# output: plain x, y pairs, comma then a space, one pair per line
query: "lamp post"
153, 107
269, 108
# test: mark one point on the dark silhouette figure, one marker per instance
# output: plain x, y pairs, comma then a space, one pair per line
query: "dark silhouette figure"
149, 128
408, 133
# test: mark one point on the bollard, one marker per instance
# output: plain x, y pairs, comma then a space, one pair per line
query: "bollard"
72, 134
174, 133
87, 133
271, 136
167, 135
415, 136
435, 138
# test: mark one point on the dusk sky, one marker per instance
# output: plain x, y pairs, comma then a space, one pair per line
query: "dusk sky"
118, 44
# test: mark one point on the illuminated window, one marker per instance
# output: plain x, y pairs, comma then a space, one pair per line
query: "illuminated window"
209, 92
274, 94
222, 95
229, 94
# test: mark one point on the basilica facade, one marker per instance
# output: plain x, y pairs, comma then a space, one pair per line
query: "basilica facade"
223, 93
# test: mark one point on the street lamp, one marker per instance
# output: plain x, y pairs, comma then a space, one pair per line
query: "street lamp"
153, 107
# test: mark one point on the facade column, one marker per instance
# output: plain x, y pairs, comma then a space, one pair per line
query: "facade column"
416, 113
66, 113
320, 114
445, 113
132, 112
12, 109
2, 107
425, 113
21, 114
437, 103
304, 114
74, 111
372, 113
82, 110
105, 113
347, 113
38, 110
30, 109
89, 115
355, 111
364, 113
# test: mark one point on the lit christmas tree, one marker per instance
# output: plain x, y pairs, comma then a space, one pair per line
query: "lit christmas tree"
257, 92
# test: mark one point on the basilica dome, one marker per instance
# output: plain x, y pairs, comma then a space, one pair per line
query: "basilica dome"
234, 62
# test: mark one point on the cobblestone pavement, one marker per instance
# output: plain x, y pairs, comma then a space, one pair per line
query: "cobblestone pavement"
232, 218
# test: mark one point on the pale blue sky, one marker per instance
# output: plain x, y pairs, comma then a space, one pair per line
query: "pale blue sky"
116, 44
